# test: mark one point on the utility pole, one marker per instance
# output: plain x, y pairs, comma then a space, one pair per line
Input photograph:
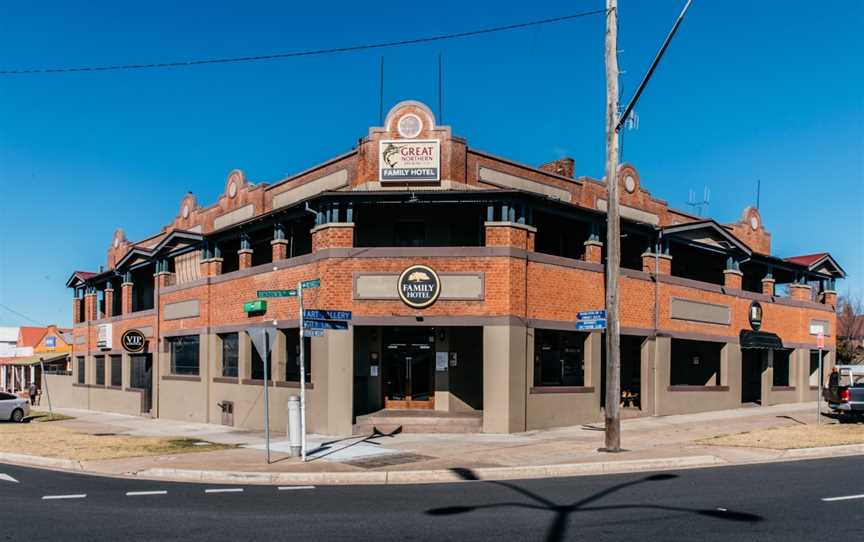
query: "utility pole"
613, 231
613, 236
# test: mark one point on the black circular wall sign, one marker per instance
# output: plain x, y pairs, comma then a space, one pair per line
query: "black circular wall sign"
755, 316
419, 286
133, 341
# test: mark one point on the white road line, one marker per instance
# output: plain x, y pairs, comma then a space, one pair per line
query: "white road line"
6, 478
143, 493
225, 490
845, 498
290, 488
55, 497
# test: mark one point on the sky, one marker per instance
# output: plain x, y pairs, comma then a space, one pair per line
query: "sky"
770, 91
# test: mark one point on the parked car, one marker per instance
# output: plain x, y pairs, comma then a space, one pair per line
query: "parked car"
13, 408
845, 390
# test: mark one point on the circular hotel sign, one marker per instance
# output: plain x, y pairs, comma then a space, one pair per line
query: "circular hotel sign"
755, 316
133, 341
419, 286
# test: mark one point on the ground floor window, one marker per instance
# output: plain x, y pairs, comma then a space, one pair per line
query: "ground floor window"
695, 363
82, 369
184, 355
292, 356
559, 358
781, 367
117, 371
230, 354
258, 365
100, 370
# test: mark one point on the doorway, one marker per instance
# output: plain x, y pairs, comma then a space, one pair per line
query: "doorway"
751, 375
141, 378
408, 366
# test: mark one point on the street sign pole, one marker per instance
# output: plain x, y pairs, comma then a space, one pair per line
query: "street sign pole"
820, 338
302, 376
267, 393
47, 393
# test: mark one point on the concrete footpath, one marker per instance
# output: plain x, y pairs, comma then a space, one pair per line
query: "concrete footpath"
651, 443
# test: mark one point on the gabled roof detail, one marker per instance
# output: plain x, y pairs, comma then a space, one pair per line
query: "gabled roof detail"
79, 277
821, 262
712, 234
175, 237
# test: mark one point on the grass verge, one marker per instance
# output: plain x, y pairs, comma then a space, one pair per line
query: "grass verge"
796, 436
53, 440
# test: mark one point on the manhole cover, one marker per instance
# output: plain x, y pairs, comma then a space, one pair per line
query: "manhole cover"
387, 460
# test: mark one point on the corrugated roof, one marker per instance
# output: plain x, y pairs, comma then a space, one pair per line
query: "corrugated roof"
807, 259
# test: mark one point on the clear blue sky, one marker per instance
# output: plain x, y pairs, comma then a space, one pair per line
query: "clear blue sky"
748, 90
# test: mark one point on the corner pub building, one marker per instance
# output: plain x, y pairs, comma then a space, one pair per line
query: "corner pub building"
464, 273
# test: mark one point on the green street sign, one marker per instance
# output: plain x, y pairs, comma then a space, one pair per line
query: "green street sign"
259, 305
314, 283
277, 293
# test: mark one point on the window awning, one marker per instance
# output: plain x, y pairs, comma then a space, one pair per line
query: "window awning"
760, 339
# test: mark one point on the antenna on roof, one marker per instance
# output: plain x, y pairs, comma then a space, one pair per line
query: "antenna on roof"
381, 94
758, 192
698, 205
440, 93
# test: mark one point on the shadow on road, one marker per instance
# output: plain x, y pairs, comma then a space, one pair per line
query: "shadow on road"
563, 512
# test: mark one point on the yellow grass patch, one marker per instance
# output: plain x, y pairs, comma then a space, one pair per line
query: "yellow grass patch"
52, 440
796, 436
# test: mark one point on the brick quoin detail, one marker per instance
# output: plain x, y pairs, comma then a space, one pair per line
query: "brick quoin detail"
801, 292
594, 251
280, 249
732, 279
90, 307
337, 235
76, 310
245, 256
109, 302
768, 286
126, 299
504, 234
665, 263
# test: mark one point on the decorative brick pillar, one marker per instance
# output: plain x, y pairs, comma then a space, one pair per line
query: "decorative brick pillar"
90, 308
801, 292
829, 297
215, 266
109, 302
280, 249
510, 234
663, 261
162, 279
245, 257
126, 297
732, 279
76, 310
593, 251
333, 235
768, 286
205, 267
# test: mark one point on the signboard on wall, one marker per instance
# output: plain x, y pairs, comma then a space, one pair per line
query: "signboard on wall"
133, 341
409, 160
104, 336
418, 286
755, 315
50, 342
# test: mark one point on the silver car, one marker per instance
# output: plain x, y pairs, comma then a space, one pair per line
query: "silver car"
13, 408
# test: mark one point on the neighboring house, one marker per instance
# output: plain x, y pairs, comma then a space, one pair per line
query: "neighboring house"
20, 360
54, 340
8, 341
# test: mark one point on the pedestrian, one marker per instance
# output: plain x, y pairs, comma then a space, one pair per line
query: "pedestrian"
33, 390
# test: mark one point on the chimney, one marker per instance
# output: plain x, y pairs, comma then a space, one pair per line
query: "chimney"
565, 167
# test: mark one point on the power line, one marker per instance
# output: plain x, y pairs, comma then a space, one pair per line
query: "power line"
24, 316
294, 54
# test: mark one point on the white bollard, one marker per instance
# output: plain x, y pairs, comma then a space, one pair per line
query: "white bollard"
294, 425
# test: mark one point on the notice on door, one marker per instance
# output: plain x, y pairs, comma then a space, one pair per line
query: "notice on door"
441, 361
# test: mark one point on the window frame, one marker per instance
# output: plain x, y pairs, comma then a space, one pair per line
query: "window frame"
116, 371
193, 342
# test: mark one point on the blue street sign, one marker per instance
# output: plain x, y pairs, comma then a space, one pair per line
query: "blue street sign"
314, 314
591, 325
313, 332
591, 315
314, 283
324, 324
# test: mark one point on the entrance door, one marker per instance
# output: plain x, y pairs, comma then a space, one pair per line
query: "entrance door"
751, 376
141, 378
408, 371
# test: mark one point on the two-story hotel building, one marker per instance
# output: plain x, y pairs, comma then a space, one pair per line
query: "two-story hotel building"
464, 273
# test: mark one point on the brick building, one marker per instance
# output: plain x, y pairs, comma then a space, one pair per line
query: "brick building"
486, 327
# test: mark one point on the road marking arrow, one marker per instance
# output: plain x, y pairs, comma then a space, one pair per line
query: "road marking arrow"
7, 478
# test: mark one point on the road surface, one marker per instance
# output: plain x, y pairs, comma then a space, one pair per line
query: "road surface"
777, 501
